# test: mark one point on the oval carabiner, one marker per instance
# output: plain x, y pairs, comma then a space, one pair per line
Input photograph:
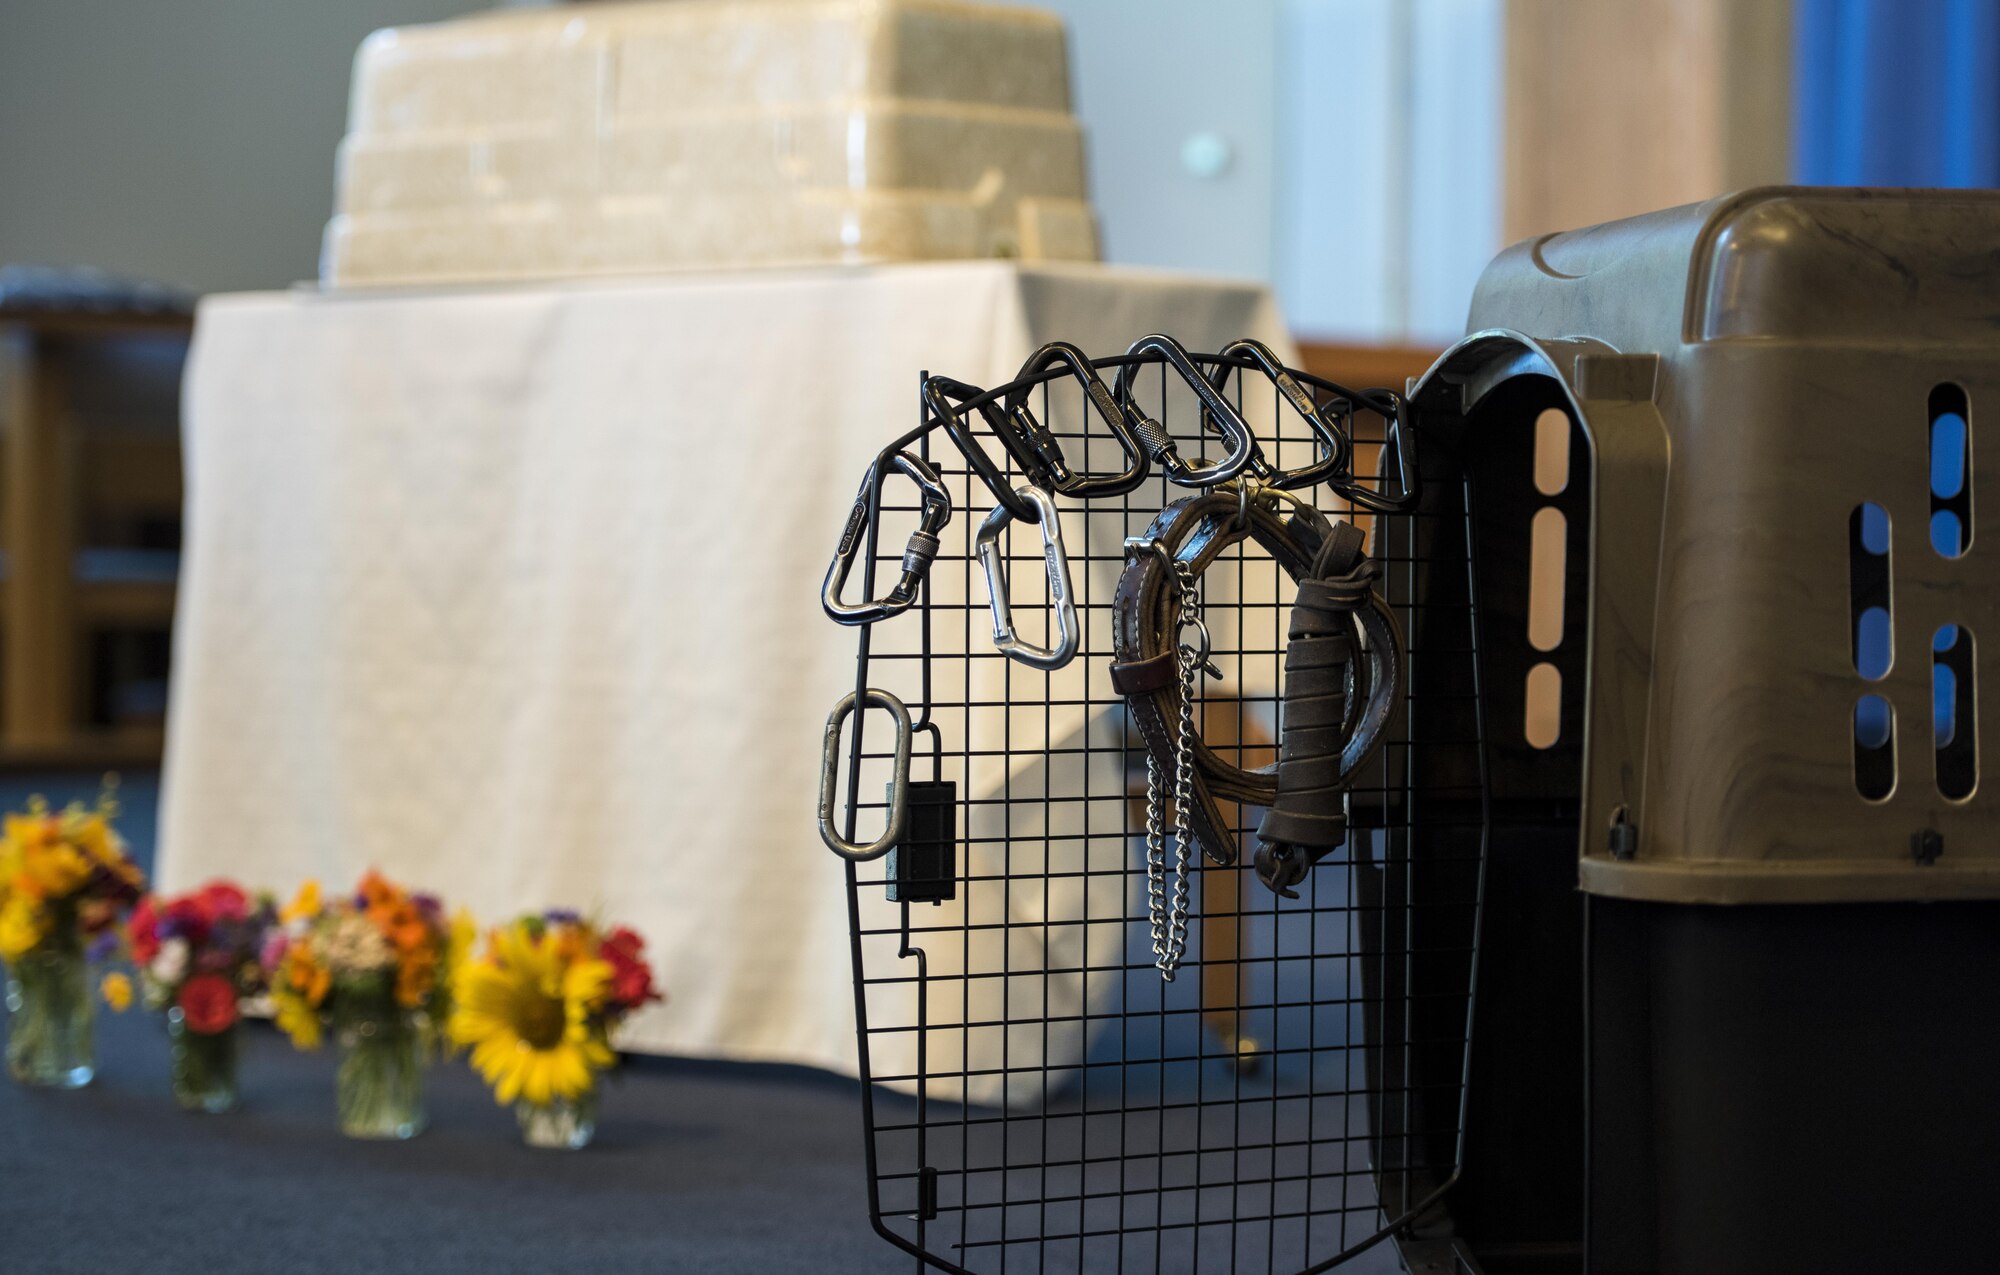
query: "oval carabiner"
917, 557
1056, 473
899, 782
1335, 448
1216, 409
1067, 632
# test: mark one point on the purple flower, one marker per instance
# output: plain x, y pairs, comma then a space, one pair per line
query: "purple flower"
104, 945
562, 916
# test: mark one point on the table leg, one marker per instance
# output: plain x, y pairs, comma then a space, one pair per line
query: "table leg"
39, 677
1227, 727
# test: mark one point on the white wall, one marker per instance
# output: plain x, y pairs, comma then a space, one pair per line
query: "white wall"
1364, 138
1148, 75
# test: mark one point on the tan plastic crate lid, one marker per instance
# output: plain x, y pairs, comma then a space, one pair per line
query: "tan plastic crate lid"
1752, 373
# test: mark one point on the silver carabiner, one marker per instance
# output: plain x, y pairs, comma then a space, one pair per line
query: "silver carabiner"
1067, 632
917, 558
899, 784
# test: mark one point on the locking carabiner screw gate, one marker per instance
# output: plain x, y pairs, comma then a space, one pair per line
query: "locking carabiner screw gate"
1065, 631
1153, 435
917, 556
899, 783
1054, 471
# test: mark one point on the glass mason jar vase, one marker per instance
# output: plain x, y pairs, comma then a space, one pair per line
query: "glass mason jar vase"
49, 1029
562, 1124
380, 1086
204, 1065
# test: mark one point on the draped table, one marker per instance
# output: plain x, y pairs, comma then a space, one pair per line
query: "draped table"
514, 594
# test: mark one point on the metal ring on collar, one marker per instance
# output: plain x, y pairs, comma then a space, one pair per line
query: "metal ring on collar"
899, 783
1064, 627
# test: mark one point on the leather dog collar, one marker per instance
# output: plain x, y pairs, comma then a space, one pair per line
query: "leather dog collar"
1337, 708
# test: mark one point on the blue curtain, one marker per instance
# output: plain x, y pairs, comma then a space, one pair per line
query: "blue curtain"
1896, 92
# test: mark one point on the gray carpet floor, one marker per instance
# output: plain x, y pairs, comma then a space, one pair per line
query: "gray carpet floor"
698, 1166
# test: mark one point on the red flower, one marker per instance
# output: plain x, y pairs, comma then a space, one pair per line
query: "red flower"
631, 977
208, 1004
145, 932
187, 917
224, 901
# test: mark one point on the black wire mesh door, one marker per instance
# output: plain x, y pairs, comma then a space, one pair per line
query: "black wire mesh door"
1038, 1097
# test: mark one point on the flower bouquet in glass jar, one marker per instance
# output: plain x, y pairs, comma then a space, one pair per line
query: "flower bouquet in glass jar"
373, 968
199, 956
537, 1008
64, 882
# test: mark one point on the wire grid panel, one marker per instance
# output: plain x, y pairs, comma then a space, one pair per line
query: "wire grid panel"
1037, 1097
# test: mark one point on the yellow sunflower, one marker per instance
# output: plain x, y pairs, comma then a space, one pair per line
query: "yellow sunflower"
526, 1010
23, 925
298, 1018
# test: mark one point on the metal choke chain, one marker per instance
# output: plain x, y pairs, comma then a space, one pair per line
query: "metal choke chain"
1169, 919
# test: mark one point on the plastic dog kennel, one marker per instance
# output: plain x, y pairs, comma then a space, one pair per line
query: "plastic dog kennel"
1741, 952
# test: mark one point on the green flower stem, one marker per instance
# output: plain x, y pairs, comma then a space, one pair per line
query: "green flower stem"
204, 1065
380, 1084
49, 1032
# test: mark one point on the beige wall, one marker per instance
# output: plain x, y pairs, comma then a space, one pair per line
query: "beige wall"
187, 140
1617, 108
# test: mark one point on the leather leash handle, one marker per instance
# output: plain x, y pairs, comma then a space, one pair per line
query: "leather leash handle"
1308, 819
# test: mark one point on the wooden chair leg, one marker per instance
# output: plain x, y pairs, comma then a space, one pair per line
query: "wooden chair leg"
39, 523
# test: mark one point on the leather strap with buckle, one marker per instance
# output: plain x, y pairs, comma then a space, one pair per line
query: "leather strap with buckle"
1337, 707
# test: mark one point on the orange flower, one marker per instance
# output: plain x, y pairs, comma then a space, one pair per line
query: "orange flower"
415, 977
376, 889
403, 925
306, 976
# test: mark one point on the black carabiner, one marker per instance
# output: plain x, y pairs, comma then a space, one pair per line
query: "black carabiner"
943, 396
1153, 436
1336, 451
1056, 475
1401, 437
923, 546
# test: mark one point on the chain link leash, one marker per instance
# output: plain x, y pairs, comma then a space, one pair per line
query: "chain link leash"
1167, 918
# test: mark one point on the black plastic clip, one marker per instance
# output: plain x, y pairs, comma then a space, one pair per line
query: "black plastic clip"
923, 865
1623, 841
1926, 846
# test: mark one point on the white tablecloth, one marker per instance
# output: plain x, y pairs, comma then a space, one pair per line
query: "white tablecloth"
514, 594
